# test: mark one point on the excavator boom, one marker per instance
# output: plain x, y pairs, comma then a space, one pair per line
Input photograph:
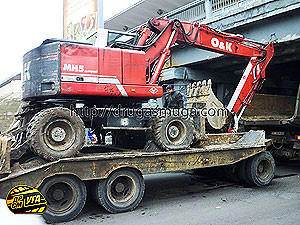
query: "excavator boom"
171, 32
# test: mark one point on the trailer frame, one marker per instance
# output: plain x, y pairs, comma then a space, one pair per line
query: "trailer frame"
217, 150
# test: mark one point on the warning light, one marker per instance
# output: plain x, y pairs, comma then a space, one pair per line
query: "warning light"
298, 138
133, 90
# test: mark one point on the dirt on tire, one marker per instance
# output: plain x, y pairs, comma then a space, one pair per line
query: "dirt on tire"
36, 131
160, 129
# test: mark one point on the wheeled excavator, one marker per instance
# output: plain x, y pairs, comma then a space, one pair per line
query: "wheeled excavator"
61, 76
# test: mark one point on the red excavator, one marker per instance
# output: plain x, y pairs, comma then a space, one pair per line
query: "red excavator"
68, 84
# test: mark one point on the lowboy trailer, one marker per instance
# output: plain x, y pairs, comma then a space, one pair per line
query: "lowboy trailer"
117, 177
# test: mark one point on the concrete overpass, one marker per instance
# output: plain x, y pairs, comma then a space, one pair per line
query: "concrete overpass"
255, 19
260, 20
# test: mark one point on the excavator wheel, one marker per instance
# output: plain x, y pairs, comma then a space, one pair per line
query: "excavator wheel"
56, 133
172, 132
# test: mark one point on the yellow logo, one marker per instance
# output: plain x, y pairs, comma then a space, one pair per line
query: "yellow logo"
23, 199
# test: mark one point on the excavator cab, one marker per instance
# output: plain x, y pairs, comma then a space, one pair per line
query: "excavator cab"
107, 38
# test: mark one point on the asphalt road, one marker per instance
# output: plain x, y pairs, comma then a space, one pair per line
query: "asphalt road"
183, 198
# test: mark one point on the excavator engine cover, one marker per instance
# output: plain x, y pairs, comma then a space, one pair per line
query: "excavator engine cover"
74, 70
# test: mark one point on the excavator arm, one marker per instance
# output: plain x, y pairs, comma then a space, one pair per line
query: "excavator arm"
171, 32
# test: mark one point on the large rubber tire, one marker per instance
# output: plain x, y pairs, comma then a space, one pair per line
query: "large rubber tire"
241, 170
56, 133
172, 133
261, 169
65, 195
122, 191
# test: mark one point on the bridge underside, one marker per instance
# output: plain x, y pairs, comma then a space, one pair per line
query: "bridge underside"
282, 73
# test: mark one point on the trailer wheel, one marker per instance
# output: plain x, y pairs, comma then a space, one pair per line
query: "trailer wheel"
173, 133
241, 170
56, 133
122, 191
65, 195
261, 169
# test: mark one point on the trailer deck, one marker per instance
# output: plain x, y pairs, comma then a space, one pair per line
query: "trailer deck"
114, 172
100, 165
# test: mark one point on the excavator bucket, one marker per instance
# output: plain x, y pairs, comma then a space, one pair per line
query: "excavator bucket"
5, 148
201, 95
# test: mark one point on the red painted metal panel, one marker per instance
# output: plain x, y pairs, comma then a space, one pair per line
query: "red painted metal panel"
113, 90
110, 63
79, 59
90, 71
134, 67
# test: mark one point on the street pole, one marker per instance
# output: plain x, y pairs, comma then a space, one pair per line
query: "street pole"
100, 14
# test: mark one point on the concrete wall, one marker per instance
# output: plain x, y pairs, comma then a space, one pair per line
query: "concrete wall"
10, 101
13, 89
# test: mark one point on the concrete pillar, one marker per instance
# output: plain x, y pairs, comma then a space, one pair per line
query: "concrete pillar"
100, 14
208, 8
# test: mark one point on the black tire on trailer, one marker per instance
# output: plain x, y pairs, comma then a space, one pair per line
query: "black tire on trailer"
56, 133
261, 169
122, 191
65, 195
241, 170
207, 172
172, 133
